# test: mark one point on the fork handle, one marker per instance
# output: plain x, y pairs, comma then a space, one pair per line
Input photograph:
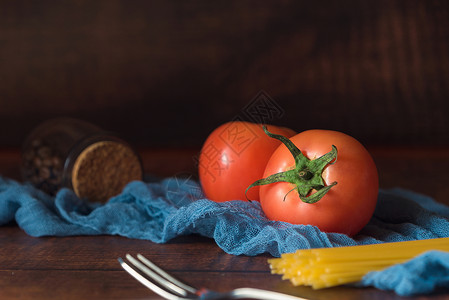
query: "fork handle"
251, 293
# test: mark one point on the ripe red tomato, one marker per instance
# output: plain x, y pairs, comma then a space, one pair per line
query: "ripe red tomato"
345, 207
233, 156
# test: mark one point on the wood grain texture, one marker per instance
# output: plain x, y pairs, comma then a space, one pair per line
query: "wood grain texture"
166, 73
421, 169
86, 267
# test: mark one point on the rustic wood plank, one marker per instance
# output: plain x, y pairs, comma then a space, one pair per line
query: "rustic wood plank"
86, 267
79, 284
166, 74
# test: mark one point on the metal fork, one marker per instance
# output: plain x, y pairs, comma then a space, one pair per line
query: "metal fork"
168, 287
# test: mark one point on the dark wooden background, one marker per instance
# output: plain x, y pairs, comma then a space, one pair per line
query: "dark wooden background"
165, 73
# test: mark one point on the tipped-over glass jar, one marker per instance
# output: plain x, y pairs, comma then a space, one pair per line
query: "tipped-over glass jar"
72, 153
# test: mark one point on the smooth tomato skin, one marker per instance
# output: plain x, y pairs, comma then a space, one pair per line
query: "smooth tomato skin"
235, 155
347, 207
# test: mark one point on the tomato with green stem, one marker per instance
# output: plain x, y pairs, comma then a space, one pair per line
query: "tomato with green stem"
320, 177
233, 156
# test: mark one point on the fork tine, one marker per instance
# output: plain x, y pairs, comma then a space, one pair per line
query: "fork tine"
171, 292
156, 277
171, 288
165, 275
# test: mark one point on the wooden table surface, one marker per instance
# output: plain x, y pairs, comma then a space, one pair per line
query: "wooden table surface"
86, 267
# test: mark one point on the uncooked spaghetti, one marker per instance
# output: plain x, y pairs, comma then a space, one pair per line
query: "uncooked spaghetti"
327, 267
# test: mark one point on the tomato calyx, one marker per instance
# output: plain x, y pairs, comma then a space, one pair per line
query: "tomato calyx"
306, 176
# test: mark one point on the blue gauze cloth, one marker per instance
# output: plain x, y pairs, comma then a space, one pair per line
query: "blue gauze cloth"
160, 211
424, 274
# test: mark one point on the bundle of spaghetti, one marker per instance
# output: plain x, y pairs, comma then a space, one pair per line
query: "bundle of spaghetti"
327, 267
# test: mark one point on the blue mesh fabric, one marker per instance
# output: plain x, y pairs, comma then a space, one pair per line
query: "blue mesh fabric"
424, 274
160, 211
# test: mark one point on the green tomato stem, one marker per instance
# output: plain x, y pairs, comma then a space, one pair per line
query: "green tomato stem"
306, 175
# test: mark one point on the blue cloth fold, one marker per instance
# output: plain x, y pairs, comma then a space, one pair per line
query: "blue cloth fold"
160, 211
423, 274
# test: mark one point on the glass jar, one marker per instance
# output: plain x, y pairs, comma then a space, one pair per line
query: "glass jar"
72, 153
